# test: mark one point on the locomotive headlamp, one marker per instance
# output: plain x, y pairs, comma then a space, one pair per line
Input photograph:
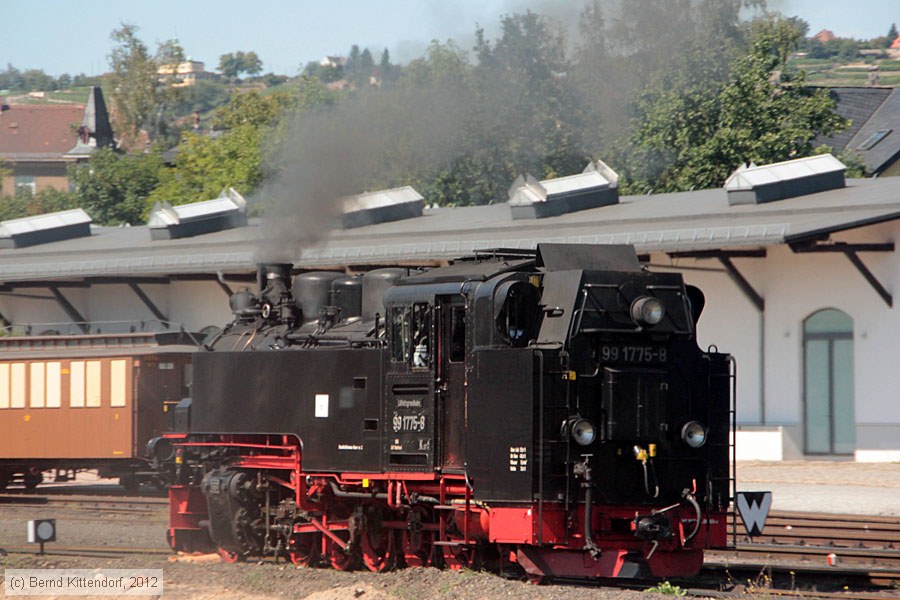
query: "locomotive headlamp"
581, 430
694, 434
647, 310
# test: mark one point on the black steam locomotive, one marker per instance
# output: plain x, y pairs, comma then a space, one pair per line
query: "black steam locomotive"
548, 412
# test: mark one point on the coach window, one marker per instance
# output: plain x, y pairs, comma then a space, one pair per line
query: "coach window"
400, 334
93, 385
117, 383
76, 384
38, 383
4, 385
17, 385
54, 384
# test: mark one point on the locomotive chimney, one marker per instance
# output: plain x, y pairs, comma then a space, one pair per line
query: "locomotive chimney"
274, 281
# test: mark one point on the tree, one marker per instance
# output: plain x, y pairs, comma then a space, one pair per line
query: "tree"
133, 80
626, 45
141, 101
205, 165
891, 35
233, 64
251, 65
229, 65
765, 113
113, 188
386, 68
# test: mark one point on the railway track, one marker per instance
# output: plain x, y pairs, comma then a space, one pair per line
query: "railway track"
853, 550
107, 504
87, 551
826, 539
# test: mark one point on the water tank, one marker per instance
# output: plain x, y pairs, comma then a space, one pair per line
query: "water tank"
312, 291
375, 284
346, 294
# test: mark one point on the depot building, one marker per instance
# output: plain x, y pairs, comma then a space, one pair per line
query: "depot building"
798, 265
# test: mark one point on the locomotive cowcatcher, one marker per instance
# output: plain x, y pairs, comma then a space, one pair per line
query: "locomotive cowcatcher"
543, 412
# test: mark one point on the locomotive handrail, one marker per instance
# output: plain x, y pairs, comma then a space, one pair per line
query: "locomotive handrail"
90, 327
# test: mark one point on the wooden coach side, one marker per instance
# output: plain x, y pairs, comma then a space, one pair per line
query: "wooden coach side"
100, 407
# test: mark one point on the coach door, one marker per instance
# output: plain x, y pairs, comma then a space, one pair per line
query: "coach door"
830, 424
450, 379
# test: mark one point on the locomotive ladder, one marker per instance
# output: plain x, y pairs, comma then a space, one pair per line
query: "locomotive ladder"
730, 443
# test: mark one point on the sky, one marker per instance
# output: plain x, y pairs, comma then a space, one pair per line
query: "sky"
72, 36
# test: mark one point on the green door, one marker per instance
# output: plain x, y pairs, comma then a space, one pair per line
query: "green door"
830, 425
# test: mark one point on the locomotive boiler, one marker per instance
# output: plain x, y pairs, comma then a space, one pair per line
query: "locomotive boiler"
544, 412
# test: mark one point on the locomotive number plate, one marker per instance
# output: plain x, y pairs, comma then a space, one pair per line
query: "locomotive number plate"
634, 354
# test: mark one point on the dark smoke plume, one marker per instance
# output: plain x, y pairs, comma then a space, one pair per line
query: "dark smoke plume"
557, 89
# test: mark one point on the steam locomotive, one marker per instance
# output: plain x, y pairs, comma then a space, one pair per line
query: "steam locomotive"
546, 412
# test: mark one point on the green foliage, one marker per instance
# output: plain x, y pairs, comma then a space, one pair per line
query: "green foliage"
133, 81
205, 165
515, 111
202, 97
667, 589
25, 204
856, 166
235, 63
694, 137
113, 188
141, 101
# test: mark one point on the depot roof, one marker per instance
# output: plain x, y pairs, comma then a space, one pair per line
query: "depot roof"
677, 222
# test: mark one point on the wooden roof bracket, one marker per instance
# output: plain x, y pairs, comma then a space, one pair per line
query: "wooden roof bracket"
149, 304
70, 310
850, 251
724, 257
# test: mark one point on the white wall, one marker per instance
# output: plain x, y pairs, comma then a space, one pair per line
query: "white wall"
192, 304
729, 321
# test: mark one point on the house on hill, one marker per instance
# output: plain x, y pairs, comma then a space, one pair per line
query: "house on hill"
38, 142
826, 35
185, 74
894, 50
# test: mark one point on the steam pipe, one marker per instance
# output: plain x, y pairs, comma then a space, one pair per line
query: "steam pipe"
589, 544
693, 502
339, 493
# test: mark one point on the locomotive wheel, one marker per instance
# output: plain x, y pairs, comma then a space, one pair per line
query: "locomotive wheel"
377, 543
415, 542
228, 556
304, 549
5, 478
338, 558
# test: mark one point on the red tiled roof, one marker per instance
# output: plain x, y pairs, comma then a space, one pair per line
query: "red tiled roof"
30, 129
896, 43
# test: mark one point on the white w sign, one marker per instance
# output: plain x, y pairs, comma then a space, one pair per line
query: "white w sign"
754, 508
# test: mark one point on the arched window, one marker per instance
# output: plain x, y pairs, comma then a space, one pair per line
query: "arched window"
828, 404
